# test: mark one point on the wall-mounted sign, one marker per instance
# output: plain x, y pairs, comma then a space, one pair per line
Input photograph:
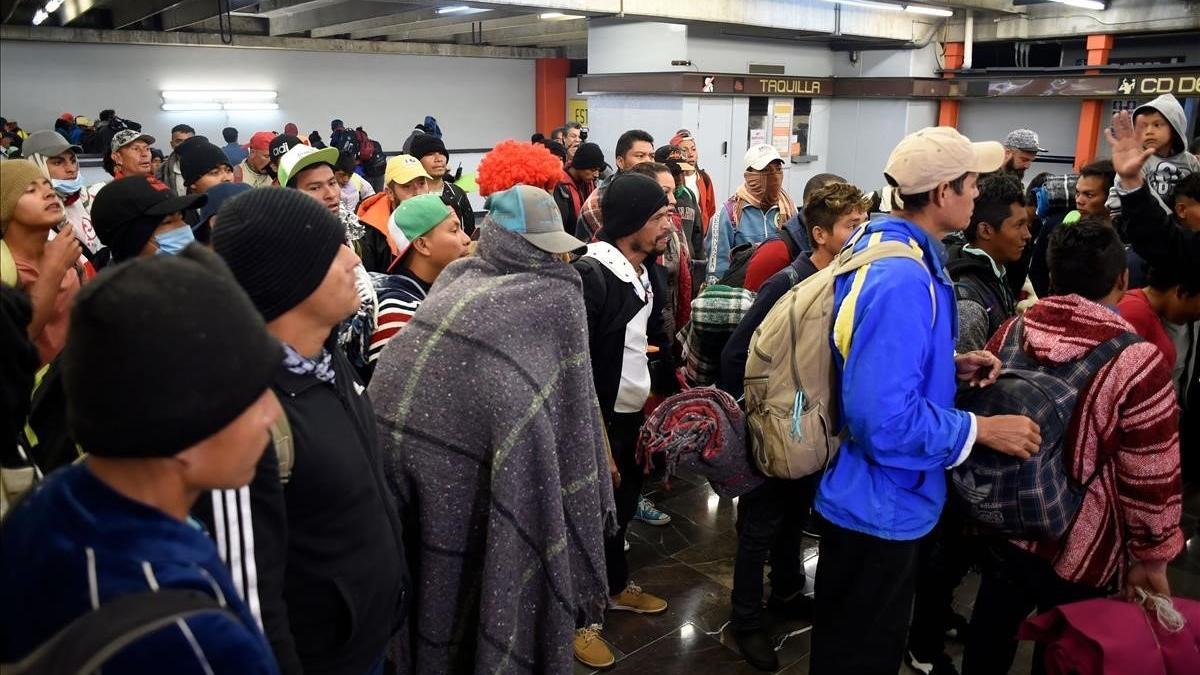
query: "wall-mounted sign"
1101, 86
1182, 84
577, 111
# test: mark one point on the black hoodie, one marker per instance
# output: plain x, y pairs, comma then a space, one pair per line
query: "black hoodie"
985, 300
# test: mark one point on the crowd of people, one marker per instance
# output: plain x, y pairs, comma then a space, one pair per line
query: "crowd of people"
296, 380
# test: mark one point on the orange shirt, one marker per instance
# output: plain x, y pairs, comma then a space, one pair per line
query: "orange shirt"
54, 334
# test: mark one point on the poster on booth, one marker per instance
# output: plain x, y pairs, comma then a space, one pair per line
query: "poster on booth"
782, 110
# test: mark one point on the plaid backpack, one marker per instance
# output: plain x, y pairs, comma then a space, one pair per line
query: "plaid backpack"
1034, 498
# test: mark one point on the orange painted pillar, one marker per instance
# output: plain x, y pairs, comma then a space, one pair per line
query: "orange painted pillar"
550, 93
1091, 111
947, 108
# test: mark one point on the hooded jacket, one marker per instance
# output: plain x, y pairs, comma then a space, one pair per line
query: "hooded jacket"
893, 338
1162, 173
1124, 432
75, 544
985, 301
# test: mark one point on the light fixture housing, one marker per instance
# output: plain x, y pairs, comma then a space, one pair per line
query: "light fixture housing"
175, 100
928, 11
1084, 4
460, 9
868, 4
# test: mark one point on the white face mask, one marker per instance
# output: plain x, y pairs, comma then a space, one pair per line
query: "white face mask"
66, 188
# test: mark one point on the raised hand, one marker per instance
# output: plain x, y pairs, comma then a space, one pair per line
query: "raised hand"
61, 253
1127, 153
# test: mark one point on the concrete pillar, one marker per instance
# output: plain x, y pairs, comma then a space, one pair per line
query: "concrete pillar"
948, 108
1091, 111
550, 93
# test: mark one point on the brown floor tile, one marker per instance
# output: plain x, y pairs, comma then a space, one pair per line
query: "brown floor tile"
689, 594
684, 651
673, 537
702, 507
713, 559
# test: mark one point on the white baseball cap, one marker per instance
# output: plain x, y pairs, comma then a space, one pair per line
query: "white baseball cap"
301, 157
759, 156
935, 155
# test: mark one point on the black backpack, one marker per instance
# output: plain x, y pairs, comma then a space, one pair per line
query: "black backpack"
1034, 498
92, 639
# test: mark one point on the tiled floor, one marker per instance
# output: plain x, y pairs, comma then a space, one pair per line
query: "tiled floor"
690, 563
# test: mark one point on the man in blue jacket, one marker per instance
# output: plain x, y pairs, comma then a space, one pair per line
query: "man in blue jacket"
893, 339
167, 408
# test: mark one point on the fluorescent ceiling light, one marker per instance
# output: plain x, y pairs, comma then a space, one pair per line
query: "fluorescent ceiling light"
558, 15
200, 106
869, 5
40, 16
460, 9
928, 11
1085, 4
179, 107
250, 106
53, 5
225, 96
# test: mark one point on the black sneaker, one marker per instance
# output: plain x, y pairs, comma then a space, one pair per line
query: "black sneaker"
939, 664
798, 607
755, 646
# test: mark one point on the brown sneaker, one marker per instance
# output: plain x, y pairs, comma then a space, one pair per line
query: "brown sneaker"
590, 650
634, 599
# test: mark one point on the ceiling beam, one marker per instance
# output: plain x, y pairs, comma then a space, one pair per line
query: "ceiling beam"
544, 30
193, 12
186, 39
548, 40
397, 19
274, 8
239, 25
129, 12
326, 15
438, 21
463, 27
73, 9
1058, 21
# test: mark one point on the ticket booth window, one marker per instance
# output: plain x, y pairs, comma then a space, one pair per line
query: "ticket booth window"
781, 122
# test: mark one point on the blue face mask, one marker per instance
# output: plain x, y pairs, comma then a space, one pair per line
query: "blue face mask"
174, 241
66, 188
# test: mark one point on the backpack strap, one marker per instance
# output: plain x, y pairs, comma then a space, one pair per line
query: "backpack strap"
8, 266
90, 640
1087, 367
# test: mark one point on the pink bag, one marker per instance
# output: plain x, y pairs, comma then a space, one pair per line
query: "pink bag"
1115, 637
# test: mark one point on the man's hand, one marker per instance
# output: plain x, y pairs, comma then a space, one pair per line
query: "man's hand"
1150, 576
61, 254
612, 471
1127, 153
980, 367
1015, 435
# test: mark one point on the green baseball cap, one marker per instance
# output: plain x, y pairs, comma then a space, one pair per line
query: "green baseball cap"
414, 218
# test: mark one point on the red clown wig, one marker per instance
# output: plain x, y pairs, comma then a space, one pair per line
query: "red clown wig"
514, 163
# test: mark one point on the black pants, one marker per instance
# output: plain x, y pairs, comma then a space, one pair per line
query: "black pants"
1014, 583
944, 559
623, 431
863, 602
769, 522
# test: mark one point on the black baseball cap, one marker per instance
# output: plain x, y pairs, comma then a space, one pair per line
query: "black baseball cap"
281, 144
588, 156
126, 211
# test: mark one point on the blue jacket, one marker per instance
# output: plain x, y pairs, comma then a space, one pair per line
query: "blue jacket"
754, 227
895, 358
74, 539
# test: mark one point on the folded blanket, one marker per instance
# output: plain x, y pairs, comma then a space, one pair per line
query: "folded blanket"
704, 430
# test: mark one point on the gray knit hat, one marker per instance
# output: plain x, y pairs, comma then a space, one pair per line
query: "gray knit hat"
279, 243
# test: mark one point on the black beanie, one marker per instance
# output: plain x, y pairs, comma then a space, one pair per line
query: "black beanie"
279, 243
427, 144
198, 158
628, 202
164, 352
